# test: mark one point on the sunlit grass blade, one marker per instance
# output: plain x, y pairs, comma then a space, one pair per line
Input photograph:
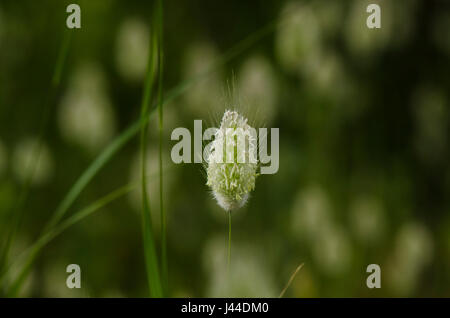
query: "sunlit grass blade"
291, 279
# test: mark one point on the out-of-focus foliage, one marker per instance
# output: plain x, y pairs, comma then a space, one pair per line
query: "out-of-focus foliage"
364, 143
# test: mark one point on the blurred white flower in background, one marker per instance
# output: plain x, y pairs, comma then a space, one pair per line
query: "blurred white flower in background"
312, 220
301, 48
3, 158
258, 88
327, 71
367, 219
249, 274
397, 18
132, 48
298, 41
362, 41
311, 213
203, 98
30, 157
414, 245
332, 250
328, 75
431, 123
86, 116
413, 251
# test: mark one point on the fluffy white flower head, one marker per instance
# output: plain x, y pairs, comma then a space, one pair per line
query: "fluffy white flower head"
232, 163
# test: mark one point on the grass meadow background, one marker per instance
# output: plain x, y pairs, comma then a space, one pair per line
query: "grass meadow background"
364, 143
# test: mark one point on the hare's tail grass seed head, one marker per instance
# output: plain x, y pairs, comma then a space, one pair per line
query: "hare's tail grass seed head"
230, 179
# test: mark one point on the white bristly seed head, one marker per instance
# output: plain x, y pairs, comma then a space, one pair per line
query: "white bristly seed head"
232, 179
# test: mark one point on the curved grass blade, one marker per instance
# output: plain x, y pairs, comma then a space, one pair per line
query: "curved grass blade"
90, 172
18, 211
291, 279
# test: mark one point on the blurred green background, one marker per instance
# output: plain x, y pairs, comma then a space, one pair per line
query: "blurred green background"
364, 142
